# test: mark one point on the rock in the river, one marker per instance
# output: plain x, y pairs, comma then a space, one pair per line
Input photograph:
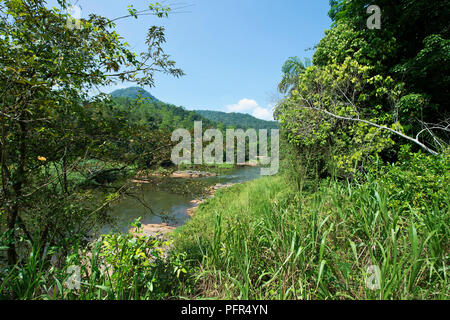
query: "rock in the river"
156, 229
192, 174
187, 174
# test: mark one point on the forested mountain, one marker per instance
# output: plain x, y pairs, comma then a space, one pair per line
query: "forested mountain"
155, 113
133, 93
163, 115
237, 120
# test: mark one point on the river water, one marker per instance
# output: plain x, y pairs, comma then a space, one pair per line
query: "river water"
168, 206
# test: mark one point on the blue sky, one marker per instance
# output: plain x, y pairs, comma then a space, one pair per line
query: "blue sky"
232, 51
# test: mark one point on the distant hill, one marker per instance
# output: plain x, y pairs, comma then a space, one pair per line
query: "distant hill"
159, 114
237, 120
155, 113
132, 93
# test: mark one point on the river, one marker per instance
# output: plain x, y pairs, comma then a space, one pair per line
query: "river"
168, 206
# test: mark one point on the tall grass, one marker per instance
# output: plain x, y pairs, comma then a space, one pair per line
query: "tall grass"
117, 266
266, 240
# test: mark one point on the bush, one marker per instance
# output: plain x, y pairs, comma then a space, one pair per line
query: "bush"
417, 180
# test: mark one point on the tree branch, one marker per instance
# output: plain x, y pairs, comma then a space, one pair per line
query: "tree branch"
423, 146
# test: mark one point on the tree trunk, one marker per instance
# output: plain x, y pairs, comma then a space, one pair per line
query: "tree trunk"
66, 189
13, 210
12, 218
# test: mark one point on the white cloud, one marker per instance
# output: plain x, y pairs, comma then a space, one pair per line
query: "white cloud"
244, 105
251, 107
263, 114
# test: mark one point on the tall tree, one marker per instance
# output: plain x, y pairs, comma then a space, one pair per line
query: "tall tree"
413, 46
47, 120
292, 69
371, 91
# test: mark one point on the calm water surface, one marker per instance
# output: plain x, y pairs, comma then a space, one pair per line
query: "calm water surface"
168, 206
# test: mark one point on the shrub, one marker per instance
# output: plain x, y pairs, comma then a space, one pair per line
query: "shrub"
417, 180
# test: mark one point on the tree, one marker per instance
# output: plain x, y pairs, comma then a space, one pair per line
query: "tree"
49, 125
413, 47
370, 91
339, 89
341, 103
292, 69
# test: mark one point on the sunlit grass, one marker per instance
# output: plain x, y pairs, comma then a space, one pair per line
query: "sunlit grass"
264, 240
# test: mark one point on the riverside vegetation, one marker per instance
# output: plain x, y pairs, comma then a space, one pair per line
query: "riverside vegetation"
364, 178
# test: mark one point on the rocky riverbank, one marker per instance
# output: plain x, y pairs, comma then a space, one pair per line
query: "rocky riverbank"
163, 228
186, 174
211, 191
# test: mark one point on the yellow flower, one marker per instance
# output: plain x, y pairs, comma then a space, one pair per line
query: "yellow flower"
40, 158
